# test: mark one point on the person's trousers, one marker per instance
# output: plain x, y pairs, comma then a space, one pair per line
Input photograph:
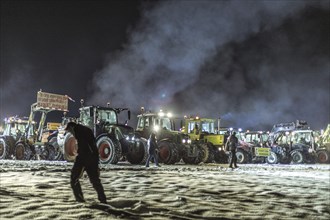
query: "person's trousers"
152, 155
233, 158
92, 171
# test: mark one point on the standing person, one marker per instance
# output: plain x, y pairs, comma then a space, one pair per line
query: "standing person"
231, 145
152, 146
87, 159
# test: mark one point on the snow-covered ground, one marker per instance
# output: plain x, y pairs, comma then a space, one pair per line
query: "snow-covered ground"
41, 190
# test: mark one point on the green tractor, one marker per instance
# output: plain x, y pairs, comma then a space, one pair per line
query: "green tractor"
114, 141
173, 145
202, 132
14, 128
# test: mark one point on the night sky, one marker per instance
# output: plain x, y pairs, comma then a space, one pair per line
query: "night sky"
252, 63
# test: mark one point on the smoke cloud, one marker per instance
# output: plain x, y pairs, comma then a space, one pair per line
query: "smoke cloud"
252, 63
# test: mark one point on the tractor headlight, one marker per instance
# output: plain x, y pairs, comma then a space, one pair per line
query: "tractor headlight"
156, 128
189, 141
183, 141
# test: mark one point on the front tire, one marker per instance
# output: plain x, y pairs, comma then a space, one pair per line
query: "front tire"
208, 155
136, 153
323, 156
48, 152
242, 156
297, 157
58, 152
272, 158
22, 151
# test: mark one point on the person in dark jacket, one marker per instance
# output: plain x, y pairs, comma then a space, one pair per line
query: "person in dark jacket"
87, 159
152, 149
231, 145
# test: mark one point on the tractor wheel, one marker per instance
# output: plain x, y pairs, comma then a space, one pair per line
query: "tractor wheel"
168, 153
58, 151
70, 147
221, 157
191, 154
208, 155
22, 151
297, 157
285, 160
137, 152
272, 158
109, 150
323, 156
47, 152
242, 156
4, 149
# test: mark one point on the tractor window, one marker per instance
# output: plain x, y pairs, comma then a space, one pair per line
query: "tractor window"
207, 127
7, 129
147, 122
191, 127
166, 123
140, 123
85, 118
108, 116
21, 127
264, 137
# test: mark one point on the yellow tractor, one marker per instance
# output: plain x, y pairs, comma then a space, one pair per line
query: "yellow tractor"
202, 132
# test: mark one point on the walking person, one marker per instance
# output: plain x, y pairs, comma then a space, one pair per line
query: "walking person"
231, 145
87, 159
152, 149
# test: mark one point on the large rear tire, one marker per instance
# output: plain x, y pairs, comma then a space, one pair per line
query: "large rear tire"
272, 158
323, 156
22, 151
168, 154
136, 153
4, 149
109, 150
70, 147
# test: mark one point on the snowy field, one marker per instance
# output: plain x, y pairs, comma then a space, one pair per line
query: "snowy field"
41, 190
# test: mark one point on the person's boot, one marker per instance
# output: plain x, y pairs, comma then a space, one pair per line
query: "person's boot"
77, 192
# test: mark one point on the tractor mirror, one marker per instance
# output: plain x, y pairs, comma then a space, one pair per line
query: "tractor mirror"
129, 115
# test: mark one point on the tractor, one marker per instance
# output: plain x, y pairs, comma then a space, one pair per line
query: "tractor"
33, 144
253, 147
14, 128
173, 145
292, 142
114, 141
323, 150
202, 133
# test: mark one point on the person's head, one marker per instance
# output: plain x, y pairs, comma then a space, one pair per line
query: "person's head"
234, 133
70, 127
